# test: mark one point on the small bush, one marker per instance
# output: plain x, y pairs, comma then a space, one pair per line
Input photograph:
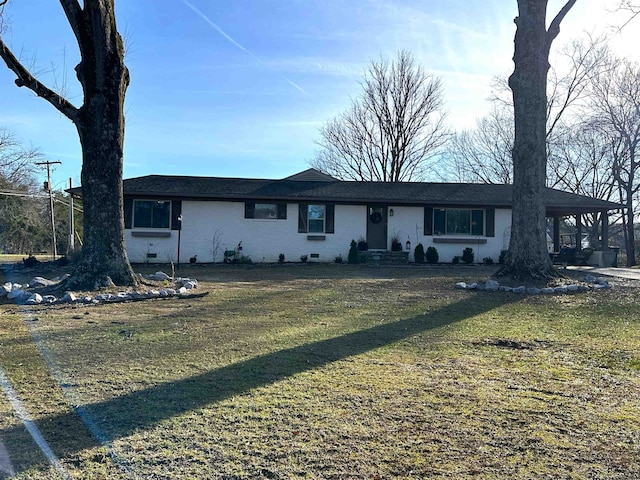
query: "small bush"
455, 260
353, 253
304, 258
502, 257
243, 260
432, 255
338, 259
468, 255
281, 258
418, 253
488, 260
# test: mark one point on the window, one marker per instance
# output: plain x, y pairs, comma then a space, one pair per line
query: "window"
151, 214
273, 211
454, 221
317, 218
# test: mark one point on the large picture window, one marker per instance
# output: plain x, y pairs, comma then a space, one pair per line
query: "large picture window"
151, 214
458, 221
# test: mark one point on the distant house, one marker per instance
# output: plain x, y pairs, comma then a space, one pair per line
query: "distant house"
316, 215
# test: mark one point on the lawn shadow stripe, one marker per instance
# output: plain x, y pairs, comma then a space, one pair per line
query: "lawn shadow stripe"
123, 415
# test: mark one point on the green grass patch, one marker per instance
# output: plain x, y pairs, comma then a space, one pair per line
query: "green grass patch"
325, 371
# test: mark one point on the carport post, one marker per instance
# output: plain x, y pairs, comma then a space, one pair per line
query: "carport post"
605, 230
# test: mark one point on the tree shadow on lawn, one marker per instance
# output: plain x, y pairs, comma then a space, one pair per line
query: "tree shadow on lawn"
123, 415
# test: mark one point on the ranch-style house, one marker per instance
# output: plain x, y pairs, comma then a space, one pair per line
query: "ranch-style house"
176, 218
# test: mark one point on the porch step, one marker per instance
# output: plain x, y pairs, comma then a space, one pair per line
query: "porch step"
383, 257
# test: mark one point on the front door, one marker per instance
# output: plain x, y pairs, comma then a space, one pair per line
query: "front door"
377, 227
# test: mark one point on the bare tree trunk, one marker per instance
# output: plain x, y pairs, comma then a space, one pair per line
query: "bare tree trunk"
105, 79
528, 256
100, 124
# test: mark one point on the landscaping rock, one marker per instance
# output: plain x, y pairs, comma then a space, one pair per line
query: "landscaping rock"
560, 289
572, 288
34, 299
5, 289
504, 288
533, 291
190, 285
548, 290
492, 285
17, 294
472, 286
40, 282
590, 278
49, 299
161, 276
69, 297
520, 289
461, 286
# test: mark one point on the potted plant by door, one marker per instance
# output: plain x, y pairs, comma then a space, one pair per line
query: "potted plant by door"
363, 246
396, 246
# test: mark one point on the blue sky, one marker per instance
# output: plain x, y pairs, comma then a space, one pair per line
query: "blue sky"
239, 88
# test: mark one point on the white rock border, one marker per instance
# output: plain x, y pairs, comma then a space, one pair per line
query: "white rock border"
184, 288
593, 282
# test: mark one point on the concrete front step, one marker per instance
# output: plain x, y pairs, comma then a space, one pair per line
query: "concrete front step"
383, 257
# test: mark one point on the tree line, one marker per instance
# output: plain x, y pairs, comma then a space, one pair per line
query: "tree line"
25, 226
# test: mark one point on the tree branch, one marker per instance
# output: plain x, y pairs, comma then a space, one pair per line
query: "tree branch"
73, 11
554, 28
25, 79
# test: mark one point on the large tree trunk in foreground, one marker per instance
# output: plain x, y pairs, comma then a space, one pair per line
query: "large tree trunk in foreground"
528, 257
104, 78
100, 124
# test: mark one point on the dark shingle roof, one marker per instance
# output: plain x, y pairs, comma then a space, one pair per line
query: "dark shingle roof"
398, 193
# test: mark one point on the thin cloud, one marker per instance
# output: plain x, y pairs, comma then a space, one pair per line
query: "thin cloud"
236, 44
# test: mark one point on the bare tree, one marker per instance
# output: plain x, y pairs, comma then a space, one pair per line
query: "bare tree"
392, 130
528, 257
483, 154
100, 125
616, 105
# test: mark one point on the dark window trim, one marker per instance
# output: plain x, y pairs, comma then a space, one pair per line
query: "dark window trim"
250, 208
431, 222
156, 200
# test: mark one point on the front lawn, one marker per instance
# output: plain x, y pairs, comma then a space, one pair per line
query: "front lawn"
330, 372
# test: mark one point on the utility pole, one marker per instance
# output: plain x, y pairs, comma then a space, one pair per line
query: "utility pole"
72, 246
47, 188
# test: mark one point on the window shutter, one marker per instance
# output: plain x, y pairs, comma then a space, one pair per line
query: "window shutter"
428, 220
282, 211
249, 209
330, 219
490, 222
128, 212
303, 210
176, 211
477, 222
439, 221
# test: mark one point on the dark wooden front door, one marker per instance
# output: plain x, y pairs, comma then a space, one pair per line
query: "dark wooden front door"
377, 227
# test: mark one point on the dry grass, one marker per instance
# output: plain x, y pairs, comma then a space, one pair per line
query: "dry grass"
327, 371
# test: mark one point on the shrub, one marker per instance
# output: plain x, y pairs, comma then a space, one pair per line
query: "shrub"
338, 259
488, 260
455, 260
467, 255
432, 255
304, 258
243, 260
281, 258
353, 253
418, 253
503, 256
